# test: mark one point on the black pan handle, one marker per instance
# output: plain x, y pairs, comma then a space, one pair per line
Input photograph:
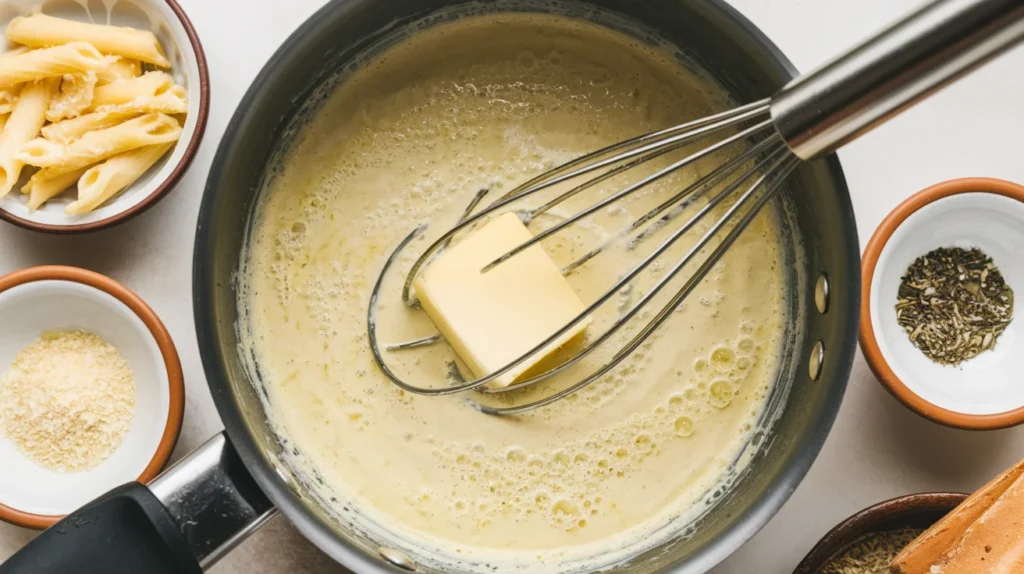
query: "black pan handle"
186, 520
125, 530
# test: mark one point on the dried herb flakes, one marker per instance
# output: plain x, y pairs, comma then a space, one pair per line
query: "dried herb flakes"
871, 553
954, 304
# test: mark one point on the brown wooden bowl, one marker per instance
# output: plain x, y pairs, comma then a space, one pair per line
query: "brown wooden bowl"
918, 388
911, 511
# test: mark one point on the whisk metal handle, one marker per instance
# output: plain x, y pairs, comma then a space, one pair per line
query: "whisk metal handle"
823, 110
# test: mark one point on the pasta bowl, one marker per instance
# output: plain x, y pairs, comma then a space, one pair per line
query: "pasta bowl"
151, 181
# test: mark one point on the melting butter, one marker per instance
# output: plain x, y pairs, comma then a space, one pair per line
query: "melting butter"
491, 319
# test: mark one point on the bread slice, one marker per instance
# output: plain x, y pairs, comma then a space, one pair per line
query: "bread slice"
994, 544
934, 543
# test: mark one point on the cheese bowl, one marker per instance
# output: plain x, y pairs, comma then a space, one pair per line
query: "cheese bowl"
188, 67
39, 300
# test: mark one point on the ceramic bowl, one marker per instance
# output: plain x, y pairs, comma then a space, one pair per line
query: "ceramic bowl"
181, 44
41, 299
986, 391
911, 511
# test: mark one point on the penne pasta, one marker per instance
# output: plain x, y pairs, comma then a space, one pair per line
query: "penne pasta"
68, 131
24, 123
74, 102
8, 96
43, 190
104, 181
14, 52
58, 159
75, 96
145, 86
40, 30
74, 58
171, 103
119, 69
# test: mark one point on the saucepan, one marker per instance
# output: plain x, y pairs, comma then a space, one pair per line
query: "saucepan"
198, 510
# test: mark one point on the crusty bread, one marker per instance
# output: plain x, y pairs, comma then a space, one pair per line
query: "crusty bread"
994, 544
934, 543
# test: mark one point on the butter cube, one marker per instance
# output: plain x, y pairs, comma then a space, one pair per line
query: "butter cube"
492, 318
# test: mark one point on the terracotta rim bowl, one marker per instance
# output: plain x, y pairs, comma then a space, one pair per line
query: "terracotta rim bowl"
877, 359
161, 360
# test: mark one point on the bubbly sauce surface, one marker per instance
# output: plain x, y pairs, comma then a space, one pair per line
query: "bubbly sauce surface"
488, 104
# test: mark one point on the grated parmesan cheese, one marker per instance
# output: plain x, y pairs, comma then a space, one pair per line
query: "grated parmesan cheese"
67, 401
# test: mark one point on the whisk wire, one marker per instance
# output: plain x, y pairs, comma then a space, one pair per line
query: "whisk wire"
774, 158
630, 276
647, 261
703, 184
810, 117
629, 190
758, 107
637, 156
683, 133
785, 164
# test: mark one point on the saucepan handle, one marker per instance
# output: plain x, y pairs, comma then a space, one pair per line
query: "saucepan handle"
822, 110
186, 520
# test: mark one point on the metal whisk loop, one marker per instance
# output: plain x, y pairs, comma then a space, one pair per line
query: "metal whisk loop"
774, 157
785, 164
777, 154
672, 138
808, 118
546, 179
647, 153
371, 324
629, 190
684, 198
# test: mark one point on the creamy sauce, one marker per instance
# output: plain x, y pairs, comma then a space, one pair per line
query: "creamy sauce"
410, 138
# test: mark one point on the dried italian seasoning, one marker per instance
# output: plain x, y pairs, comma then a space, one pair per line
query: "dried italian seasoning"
871, 553
954, 304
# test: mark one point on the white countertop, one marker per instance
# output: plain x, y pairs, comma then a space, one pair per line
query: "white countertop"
877, 449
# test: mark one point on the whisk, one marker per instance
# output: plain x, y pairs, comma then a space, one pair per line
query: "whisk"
812, 116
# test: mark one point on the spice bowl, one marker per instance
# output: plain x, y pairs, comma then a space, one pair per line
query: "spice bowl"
914, 511
50, 299
983, 392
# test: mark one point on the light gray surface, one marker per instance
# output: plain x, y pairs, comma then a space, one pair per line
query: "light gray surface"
877, 449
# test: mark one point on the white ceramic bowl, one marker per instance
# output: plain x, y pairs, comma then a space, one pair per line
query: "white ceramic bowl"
988, 390
181, 43
41, 299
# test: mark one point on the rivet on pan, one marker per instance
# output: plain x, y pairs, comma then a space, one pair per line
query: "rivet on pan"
821, 293
817, 360
397, 558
